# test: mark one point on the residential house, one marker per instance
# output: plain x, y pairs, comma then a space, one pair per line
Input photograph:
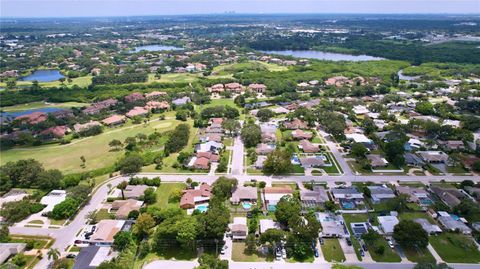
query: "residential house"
307, 147
210, 146
347, 193
381, 193
106, 231
239, 228
272, 195
92, 256
314, 198
450, 196
192, 197
332, 225
360, 138
134, 97
258, 88
152, 105
83, 127
377, 160
134, 191
95, 108
360, 110
55, 132
123, 207
451, 224
433, 156
8, 250
416, 195
155, 95
32, 118
181, 101
137, 111
264, 149
312, 161
259, 162
241, 194
295, 124
114, 120
267, 224
299, 135
413, 160
234, 87
387, 223
428, 227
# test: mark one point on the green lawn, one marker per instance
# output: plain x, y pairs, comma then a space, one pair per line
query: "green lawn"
80, 81
37, 105
102, 214
332, 251
415, 215
95, 149
420, 255
174, 77
163, 194
388, 255
239, 255
218, 102
37, 243
455, 248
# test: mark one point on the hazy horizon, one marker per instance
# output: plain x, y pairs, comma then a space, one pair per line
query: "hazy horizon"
124, 8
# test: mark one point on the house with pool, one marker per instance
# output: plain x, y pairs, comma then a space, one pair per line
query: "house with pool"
349, 198
272, 195
247, 196
196, 198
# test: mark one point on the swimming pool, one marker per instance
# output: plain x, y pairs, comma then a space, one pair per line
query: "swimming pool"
202, 208
246, 205
295, 160
455, 217
348, 205
425, 201
271, 208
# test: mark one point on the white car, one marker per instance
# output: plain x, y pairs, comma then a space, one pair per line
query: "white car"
284, 253
390, 243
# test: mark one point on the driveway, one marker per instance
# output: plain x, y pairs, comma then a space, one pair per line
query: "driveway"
237, 157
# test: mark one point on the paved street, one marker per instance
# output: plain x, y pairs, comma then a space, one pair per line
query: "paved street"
237, 157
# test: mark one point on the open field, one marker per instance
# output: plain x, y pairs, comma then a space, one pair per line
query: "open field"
163, 194
80, 81
455, 248
332, 251
174, 77
37, 105
239, 255
95, 149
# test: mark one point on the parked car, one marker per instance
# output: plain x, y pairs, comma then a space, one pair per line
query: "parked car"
362, 253
71, 256
249, 214
315, 252
278, 254
364, 246
349, 241
222, 251
320, 239
390, 243
284, 253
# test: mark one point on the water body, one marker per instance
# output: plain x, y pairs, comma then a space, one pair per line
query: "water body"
47, 75
15, 114
321, 55
156, 48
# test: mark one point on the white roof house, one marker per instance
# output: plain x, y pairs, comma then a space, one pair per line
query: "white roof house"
387, 223
266, 224
360, 110
332, 225
52, 199
359, 138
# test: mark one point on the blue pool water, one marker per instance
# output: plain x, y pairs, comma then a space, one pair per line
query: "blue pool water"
246, 205
44, 76
202, 208
348, 205
272, 208
425, 201
455, 217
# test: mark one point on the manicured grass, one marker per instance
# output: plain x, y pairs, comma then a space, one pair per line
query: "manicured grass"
75, 249
174, 77
37, 105
456, 248
163, 194
102, 214
80, 81
456, 169
388, 255
332, 251
95, 149
37, 243
415, 215
57, 222
239, 255
420, 255
218, 102
37, 221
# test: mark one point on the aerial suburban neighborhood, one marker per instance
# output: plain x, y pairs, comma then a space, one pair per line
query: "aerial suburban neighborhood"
240, 141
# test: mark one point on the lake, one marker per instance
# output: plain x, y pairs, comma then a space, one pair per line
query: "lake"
321, 55
44, 76
156, 48
14, 114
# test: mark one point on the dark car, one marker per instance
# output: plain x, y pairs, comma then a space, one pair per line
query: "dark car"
71, 256
361, 252
315, 252
320, 240
349, 241
249, 214
364, 246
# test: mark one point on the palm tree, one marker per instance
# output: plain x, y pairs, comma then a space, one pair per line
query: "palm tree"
122, 186
53, 253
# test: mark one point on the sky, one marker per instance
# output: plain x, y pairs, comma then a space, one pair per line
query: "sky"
98, 8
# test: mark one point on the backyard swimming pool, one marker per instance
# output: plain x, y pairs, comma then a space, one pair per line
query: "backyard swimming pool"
348, 205
246, 205
271, 208
202, 208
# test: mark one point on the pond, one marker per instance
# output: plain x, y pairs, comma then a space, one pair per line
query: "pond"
47, 75
155, 48
14, 114
321, 55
